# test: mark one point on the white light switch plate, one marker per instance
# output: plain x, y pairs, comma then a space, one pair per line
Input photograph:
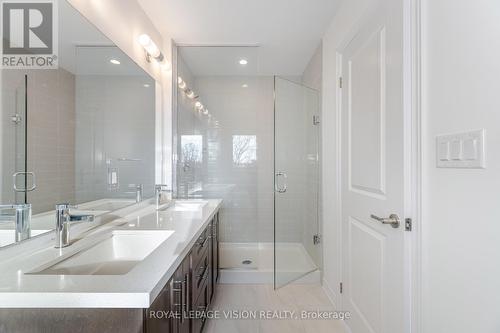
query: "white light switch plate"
461, 150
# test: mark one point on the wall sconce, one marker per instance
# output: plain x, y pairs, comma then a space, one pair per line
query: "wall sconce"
152, 51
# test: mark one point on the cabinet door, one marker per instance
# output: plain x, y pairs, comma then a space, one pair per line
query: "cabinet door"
199, 309
156, 318
180, 297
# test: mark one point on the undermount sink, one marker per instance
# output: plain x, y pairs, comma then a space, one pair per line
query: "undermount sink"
116, 255
189, 205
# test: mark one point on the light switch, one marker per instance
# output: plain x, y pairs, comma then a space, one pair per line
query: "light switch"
461, 150
444, 151
456, 150
470, 149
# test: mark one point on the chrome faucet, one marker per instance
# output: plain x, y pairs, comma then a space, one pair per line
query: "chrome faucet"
159, 190
63, 219
139, 189
22, 219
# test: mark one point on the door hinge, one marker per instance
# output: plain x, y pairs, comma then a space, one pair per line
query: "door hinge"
408, 224
341, 287
316, 120
340, 82
316, 239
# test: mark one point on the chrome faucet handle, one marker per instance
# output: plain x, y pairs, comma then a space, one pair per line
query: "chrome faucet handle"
65, 205
162, 188
159, 189
63, 219
139, 189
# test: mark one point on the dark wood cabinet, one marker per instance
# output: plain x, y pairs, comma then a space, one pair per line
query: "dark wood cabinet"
158, 317
190, 290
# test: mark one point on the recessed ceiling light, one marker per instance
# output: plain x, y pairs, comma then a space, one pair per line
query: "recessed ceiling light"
115, 61
244, 85
146, 85
243, 62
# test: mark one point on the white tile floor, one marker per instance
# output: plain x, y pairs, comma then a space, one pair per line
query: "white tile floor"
295, 298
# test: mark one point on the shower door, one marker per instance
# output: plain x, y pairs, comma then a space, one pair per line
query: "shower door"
13, 139
296, 164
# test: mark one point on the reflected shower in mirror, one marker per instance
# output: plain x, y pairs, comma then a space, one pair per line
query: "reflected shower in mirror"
82, 133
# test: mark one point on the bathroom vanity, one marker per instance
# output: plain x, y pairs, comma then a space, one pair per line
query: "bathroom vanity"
146, 270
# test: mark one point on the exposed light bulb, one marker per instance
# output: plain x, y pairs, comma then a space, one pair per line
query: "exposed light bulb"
149, 46
181, 83
190, 94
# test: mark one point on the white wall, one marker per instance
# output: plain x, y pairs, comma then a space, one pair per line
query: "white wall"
347, 15
461, 211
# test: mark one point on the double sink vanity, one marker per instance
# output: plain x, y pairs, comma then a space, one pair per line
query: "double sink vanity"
137, 269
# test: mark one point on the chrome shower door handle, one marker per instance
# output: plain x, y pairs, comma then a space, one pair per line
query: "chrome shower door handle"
393, 220
281, 189
26, 189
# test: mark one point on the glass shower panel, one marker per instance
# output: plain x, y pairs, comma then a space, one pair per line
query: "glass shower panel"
296, 181
13, 137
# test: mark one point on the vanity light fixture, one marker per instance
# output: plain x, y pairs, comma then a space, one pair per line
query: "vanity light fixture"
243, 62
180, 82
115, 61
190, 94
152, 51
198, 106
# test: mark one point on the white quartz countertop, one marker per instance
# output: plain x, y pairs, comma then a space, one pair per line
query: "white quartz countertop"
136, 289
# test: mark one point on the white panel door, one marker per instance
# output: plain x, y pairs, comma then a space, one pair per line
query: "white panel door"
373, 177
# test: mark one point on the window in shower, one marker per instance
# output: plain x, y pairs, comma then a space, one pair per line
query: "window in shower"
192, 148
244, 150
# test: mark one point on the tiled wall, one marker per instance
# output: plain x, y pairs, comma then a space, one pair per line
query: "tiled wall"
240, 117
115, 117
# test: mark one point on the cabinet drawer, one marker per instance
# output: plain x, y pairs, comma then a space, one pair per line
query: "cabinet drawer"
200, 275
200, 247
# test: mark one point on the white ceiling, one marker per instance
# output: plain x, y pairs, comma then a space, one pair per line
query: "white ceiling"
287, 31
208, 61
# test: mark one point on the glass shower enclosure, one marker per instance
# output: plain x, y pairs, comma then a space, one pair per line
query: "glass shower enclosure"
251, 139
296, 165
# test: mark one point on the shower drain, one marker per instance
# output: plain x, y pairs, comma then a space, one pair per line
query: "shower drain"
246, 262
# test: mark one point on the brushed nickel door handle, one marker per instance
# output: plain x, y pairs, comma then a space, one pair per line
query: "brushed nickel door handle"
393, 220
281, 189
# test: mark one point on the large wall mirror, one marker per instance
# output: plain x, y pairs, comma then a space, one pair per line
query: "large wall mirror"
82, 133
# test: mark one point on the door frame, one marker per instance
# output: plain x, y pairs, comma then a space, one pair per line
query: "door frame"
412, 104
